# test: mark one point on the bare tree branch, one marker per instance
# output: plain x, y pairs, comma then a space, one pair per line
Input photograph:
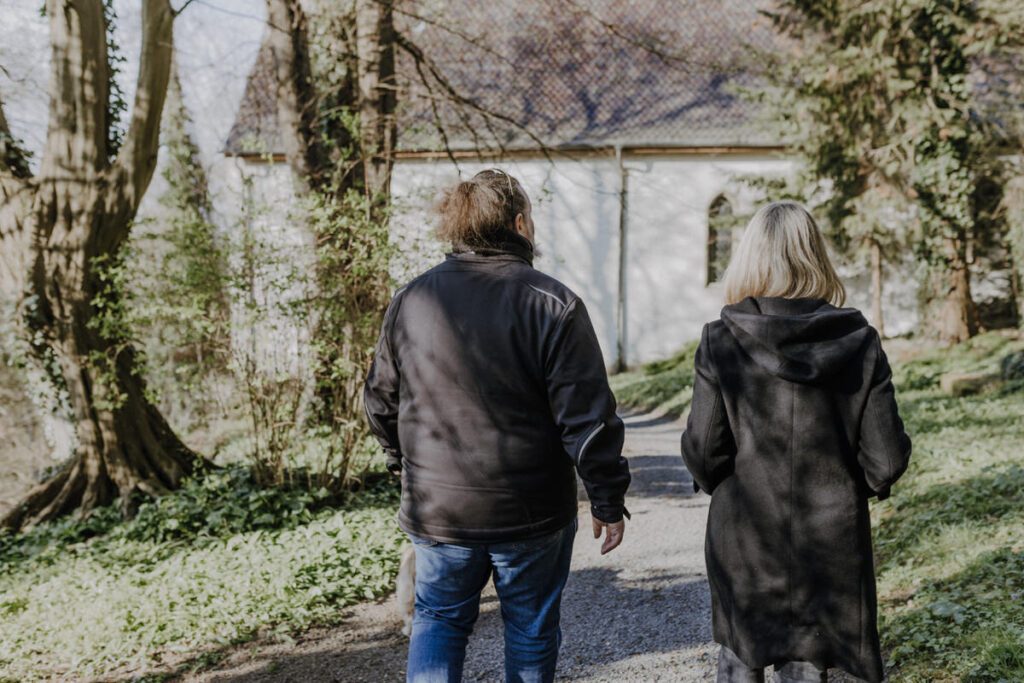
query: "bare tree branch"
657, 50
135, 163
183, 7
458, 98
438, 123
441, 26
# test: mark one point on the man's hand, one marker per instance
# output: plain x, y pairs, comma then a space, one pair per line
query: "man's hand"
613, 536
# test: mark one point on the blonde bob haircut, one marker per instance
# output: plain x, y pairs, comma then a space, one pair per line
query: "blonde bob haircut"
782, 254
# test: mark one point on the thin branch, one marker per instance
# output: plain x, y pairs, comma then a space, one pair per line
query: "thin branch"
658, 52
438, 123
417, 54
182, 8
475, 42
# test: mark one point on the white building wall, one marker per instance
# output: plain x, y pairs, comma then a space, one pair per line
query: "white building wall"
576, 212
272, 262
667, 298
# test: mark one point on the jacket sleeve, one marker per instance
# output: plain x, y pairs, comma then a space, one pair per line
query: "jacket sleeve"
884, 449
380, 394
583, 407
708, 444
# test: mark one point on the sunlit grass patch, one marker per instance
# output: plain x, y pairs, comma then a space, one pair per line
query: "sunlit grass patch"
950, 541
665, 386
187, 575
968, 627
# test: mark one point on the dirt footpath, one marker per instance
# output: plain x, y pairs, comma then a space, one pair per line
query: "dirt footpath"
640, 613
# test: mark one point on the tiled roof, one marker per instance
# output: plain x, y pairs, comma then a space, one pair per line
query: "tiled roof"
578, 73
567, 73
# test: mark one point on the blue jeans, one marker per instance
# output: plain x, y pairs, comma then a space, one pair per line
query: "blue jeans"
529, 577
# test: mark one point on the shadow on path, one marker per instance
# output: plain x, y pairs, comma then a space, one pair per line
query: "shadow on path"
641, 613
606, 619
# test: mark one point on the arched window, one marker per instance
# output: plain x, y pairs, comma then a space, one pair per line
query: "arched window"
720, 226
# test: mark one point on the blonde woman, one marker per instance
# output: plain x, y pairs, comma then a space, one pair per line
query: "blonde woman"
793, 427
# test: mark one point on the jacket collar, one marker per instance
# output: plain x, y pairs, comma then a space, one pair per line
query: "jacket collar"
511, 245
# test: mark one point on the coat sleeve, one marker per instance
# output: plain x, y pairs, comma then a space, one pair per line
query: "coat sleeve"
708, 444
583, 407
884, 448
380, 394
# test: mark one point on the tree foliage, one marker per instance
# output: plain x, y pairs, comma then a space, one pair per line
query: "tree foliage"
878, 98
174, 273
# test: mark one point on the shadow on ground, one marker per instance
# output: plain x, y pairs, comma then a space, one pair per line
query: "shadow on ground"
606, 620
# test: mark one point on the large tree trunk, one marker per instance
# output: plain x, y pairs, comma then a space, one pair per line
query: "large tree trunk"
877, 316
950, 314
73, 215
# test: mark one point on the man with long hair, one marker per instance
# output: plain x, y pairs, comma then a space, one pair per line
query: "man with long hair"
489, 394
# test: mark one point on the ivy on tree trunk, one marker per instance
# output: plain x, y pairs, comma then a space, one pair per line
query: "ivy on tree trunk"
336, 99
57, 230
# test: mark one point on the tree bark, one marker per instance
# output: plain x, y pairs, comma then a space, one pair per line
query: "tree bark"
950, 315
65, 222
363, 48
375, 43
288, 43
1013, 203
876, 287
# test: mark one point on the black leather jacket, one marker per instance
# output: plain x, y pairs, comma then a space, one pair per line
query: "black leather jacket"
489, 391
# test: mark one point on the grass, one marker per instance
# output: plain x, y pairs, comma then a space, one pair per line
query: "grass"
208, 566
950, 541
664, 386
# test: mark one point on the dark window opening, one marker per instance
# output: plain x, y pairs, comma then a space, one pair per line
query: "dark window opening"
720, 228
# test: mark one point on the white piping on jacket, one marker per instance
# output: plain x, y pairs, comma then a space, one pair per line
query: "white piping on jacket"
538, 289
586, 442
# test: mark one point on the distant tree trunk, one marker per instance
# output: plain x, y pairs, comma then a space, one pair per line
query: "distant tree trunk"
876, 287
375, 41
1013, 202
55, 233
297, 101
950, 313
369, 89
364, 47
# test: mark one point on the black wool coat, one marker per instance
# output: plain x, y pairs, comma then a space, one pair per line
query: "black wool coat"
793, 427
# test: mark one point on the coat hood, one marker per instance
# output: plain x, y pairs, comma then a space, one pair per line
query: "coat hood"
799, 340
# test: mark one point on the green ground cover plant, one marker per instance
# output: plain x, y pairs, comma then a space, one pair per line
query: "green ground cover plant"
950, 541
210, 565
225, 559
664, 386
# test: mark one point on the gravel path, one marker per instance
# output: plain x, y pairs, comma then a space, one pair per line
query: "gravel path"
640, 613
